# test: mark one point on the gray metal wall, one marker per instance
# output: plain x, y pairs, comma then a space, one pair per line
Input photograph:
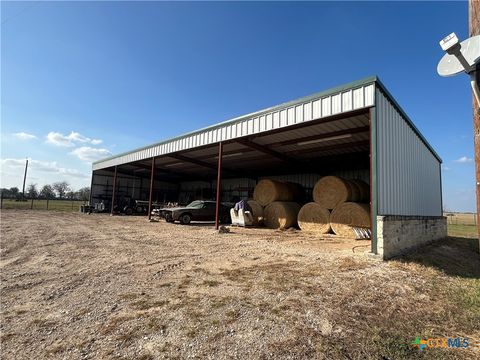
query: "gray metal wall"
408, 173
128, 186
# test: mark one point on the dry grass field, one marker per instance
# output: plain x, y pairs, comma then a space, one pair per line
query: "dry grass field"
77, 286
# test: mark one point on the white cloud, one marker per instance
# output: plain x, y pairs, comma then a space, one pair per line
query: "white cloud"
70, 140
464, 159
446, 168
43, 166
89, 154
24, 136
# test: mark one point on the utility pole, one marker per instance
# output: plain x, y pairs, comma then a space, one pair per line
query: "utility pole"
24, 179
474, 29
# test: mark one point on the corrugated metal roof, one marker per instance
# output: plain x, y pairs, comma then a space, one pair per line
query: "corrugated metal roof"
353, 96
261, 124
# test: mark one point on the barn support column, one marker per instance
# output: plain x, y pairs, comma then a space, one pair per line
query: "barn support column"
373, 180
114, 189
219, 185
152, 175
90, 198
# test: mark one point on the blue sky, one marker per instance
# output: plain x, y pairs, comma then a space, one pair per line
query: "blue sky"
89, 79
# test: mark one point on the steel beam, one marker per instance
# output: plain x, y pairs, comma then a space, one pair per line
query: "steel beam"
219, 185
113, 191
365, 143
152, 174
206, 164
322, 136
266, 150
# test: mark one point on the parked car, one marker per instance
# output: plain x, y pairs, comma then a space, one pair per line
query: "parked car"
198, 210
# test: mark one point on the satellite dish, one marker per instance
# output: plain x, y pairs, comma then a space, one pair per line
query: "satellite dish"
450, 64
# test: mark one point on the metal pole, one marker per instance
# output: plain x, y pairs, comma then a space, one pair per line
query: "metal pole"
113, 190
219, 185
152, 174
474, 29
31, 205
373, 182
24, 179
90, 198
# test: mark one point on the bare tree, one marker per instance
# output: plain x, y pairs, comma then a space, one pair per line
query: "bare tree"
61, 188
15, 193
47, 192
83, 194
71, 195
32, 191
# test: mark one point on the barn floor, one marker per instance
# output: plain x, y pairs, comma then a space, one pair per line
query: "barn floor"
93, 286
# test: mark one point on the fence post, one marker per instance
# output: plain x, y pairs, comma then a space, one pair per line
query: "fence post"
31, 204
1, 200
72, 204
47, 202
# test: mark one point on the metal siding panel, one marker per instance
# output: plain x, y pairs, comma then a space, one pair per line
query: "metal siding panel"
307, 111
317, 109
291, 116
250, 126
408, 178
369, 95
261, 123
358, 102
299, 114
269, 122
244, 128
283, 118
276, 120
326, 108
336, 104
223, 135
256, 125
347, 101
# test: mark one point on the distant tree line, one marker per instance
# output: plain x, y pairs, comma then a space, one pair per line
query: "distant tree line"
59, 190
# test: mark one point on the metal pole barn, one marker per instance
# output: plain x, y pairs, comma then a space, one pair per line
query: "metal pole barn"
474, 29
152, 174
113, 190
219, 185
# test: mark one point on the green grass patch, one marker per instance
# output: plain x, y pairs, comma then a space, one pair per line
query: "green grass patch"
56, 205
468, 231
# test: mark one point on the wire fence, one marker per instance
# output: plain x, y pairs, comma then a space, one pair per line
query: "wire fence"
461, 218
42, 204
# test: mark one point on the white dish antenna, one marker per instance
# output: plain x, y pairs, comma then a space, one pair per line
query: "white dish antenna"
460, 56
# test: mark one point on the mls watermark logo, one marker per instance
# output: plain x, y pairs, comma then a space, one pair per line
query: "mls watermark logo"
452, 343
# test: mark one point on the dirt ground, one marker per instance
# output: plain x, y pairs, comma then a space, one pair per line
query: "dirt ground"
76, 286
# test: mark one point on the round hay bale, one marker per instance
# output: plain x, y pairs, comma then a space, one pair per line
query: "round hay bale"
364, 190
312, 217
331, 191
257, 212
281, 215
268, 191
355, 192
348, 215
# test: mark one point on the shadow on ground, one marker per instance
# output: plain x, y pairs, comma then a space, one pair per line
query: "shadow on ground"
456, 256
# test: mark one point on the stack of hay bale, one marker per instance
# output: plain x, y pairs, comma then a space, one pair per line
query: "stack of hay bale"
339, 205
274, 204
